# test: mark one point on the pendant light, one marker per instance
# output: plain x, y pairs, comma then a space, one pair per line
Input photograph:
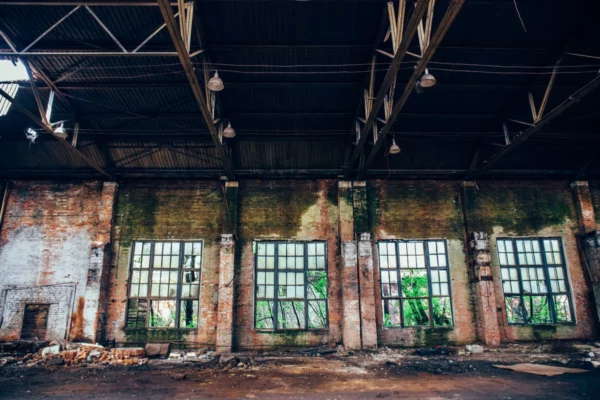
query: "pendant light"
394, 148
61, 131
215, 83
427, 80
229, 132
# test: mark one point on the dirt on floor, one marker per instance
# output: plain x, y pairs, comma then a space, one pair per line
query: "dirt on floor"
438, 373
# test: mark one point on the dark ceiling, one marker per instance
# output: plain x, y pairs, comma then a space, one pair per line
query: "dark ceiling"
294, 74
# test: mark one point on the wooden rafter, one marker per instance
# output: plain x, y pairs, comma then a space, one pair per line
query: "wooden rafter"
49, 129
389, 79
523, 136
186, 62
451, 13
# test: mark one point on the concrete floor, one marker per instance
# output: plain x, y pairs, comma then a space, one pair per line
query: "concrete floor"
371, 376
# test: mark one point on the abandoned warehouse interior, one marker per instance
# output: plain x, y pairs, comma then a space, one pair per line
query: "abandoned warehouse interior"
129, 217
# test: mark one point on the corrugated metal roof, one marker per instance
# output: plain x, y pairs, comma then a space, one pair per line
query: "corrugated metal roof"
294, 74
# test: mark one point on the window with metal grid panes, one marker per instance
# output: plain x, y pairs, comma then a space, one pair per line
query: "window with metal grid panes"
415, 283
534, 281
290, 285
164, 284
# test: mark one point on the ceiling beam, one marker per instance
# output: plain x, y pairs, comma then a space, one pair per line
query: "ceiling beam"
48, 129
449, 17
523, 136
388, 80
275, 114
186, 62
113, 85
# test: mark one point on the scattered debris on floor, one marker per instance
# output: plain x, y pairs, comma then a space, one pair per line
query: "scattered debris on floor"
537, 369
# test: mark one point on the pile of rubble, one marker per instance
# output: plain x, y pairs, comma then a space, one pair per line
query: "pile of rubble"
60, 352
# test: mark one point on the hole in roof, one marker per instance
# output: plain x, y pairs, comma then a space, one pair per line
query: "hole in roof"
11, 73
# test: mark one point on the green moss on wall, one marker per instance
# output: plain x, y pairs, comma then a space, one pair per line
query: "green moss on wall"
274, 209
521, 209
176, 210
415, 209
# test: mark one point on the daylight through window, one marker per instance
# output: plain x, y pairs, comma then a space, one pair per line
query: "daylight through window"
415, 283
291, 285
164, 285
11, 72
534, 280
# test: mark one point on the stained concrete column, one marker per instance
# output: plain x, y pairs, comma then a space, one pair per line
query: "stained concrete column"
226, 293
367, 292
350, 291
482, 280
96, 290
588, 235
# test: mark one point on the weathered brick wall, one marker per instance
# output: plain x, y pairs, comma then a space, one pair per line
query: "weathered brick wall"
46, 256
295, 210
537, 208
167, 210
423, 210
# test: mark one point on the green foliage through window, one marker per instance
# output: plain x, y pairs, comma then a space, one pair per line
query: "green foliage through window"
415, 284
534, 280
291, 285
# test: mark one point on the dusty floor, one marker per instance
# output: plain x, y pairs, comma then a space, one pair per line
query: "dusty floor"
386, 374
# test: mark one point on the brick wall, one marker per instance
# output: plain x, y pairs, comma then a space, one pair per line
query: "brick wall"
423, 210
55, 235
294, 210
47, 240
537, 208
169, 210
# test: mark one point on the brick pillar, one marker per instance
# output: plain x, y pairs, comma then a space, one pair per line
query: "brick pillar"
367, 292
488, 330
588, 236
350, 290
96, 290
226, 293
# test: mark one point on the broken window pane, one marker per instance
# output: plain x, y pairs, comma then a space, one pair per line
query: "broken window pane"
291, 315
265, 314
541, 278
295, 279
162, 313
414, 283
562, 308
415, 312
317, 314
188, 315
442, 311
391, 313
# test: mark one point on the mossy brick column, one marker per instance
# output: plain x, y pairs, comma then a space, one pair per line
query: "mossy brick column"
367, 292
226, 293
482, 283
588, 235
96, 291
227, 271
350, 291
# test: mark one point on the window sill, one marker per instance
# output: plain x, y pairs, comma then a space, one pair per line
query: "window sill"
392, 328
549, 325
290, 331
134, 328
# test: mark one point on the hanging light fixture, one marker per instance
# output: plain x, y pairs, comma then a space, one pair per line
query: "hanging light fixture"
31, 135
61, 131
215, 83
394, 148
427, 80
229, 132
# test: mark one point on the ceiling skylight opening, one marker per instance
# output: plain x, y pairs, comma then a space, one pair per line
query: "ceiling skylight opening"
11, 72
